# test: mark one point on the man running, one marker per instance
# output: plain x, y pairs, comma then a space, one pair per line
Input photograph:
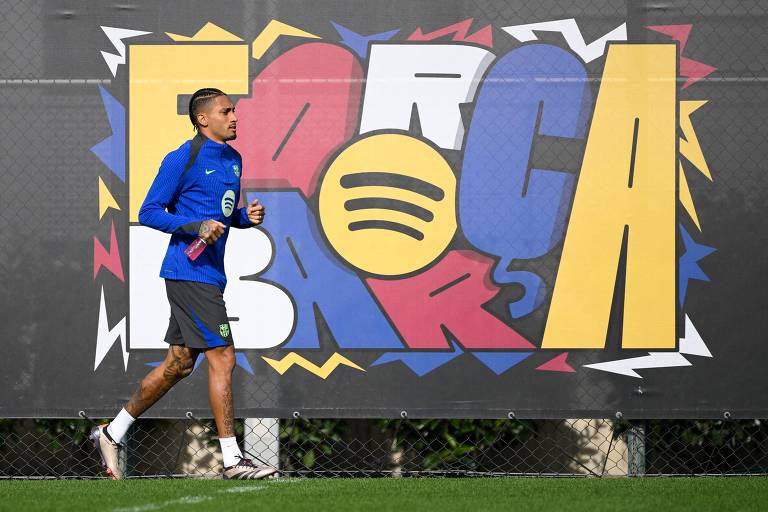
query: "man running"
195, 194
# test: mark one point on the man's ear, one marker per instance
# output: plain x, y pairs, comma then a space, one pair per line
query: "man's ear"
202, 119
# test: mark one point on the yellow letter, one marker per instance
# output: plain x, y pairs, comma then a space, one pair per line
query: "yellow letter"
627, 180
158, 75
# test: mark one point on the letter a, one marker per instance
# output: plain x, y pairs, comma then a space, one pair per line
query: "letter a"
627, 183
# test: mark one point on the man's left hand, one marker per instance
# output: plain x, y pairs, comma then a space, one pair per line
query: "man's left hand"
255, 212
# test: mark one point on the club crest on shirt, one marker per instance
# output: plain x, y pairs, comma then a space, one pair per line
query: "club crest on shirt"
236, 170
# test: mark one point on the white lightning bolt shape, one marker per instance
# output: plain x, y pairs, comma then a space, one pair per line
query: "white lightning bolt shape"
691, 345
106, 337
572, 34
116, 36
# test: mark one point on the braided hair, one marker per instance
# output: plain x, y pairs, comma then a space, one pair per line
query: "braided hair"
201, 99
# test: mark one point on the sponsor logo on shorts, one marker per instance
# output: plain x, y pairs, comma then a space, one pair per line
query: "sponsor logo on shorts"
224, 330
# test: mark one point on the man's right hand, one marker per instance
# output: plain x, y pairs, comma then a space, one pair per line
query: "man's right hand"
211, 230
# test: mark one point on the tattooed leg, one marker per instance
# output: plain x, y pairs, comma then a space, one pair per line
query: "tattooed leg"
221, 362
178, 364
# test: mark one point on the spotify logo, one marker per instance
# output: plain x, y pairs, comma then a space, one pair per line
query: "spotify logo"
228, 203
387, 204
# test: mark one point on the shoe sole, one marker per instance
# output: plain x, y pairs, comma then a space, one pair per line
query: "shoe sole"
267, 474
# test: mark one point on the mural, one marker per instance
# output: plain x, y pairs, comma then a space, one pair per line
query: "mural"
407, 183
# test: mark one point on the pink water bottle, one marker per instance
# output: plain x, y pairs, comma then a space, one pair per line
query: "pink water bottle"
195, 249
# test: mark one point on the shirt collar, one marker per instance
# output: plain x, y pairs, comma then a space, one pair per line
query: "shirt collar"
210, 145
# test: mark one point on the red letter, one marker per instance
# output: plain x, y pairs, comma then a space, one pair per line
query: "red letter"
450, 295
304, 105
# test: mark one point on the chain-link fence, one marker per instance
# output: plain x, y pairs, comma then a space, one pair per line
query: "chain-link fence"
392, 448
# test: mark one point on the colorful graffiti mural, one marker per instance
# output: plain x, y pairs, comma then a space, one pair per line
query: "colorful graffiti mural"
407, 188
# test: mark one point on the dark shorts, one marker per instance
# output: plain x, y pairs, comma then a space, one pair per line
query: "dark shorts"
198, 315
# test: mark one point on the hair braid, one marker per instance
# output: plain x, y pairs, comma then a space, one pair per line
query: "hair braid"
199, 100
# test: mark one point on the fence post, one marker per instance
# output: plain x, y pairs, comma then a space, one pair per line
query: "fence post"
636, 448
261, 438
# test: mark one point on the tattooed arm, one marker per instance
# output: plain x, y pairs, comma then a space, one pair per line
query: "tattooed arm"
211, 230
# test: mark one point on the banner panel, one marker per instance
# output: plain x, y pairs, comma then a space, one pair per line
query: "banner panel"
474, 208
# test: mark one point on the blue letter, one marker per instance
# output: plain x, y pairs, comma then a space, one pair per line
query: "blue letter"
313, 277
499, 214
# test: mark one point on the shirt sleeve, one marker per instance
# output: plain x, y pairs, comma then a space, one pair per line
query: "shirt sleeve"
153, 212
240, 220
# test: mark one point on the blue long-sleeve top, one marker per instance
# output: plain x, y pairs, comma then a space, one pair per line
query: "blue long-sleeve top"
178, 201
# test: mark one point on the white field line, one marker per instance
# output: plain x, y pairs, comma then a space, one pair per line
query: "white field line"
244, 488
190, 500
285, 480
186, 500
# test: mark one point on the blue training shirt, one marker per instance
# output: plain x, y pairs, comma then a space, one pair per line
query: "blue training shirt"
178, 202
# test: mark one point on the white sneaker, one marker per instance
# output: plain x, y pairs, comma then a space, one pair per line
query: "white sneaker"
108, 450
246, 470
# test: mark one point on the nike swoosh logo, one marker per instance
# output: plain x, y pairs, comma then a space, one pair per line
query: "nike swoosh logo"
209, 171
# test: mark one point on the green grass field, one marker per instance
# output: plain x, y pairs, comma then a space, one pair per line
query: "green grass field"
443, 494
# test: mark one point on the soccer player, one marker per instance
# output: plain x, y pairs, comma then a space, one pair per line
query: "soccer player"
195, 194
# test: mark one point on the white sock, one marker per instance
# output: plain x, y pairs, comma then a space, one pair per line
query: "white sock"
230, 451
120, 425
